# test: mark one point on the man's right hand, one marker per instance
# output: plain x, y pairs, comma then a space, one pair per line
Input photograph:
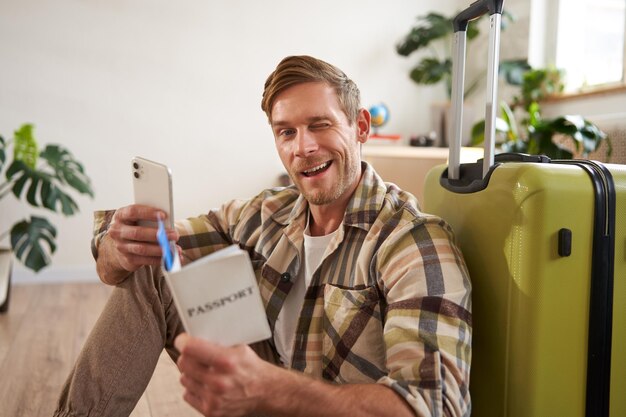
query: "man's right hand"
128, 246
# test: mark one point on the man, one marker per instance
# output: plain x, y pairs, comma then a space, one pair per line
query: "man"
368, 298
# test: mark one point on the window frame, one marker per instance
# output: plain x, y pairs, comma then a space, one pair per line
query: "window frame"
542, 47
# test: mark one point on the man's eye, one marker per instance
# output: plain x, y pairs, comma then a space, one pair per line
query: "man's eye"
320, 125
287, 132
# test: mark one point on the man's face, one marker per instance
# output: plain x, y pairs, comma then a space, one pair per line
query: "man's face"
316, 142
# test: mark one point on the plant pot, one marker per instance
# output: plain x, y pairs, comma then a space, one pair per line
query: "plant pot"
6, 260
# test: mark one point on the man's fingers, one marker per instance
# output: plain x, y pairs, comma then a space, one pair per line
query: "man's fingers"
203, 351
197, 403
192, 368
136, 212
132, 263
138, 233
139, 249
125, 232
192, 384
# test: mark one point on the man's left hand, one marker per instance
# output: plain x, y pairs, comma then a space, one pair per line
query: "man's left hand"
221, 381
234, 381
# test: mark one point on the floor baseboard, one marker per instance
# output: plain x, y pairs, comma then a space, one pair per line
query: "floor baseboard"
53, 274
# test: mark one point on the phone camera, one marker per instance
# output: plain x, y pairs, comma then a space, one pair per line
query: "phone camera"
136, 174
135, 165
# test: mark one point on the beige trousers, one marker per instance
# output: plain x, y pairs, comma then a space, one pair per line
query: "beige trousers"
119, 356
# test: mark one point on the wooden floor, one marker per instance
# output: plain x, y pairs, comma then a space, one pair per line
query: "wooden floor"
41, 336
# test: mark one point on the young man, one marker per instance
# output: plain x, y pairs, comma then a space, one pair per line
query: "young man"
367, 297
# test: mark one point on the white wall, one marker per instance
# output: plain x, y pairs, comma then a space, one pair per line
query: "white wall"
181, 82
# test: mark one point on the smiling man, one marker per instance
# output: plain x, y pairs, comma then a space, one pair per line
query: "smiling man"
368, 298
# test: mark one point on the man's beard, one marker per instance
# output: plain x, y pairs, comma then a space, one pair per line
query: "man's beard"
320, 197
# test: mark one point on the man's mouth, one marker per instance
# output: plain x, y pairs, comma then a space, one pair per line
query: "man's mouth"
316, 170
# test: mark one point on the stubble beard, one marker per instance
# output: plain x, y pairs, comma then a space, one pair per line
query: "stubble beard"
345, 180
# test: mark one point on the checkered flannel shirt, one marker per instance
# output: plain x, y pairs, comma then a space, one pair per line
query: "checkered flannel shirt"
390, 302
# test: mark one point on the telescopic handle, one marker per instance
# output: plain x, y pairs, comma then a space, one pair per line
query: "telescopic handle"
474, 11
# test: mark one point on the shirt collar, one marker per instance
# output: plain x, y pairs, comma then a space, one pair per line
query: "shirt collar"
363, 207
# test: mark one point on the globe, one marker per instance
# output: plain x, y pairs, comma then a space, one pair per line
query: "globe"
380, 115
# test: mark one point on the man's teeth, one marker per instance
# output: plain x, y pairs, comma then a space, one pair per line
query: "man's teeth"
317, 168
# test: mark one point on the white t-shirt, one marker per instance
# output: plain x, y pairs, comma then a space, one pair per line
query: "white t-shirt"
287, 321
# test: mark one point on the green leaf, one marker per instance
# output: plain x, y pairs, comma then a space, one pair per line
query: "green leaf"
3, 154
540, 141
509, 118
478, 130
585, 134
568, 125
25, 148
472, 29
33, 242
42, 192
593, 138
429, 28
478, 133
541, 83
534, 114
513, 70
431, 71
67, 169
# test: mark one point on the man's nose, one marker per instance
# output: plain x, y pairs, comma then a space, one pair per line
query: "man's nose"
305, 144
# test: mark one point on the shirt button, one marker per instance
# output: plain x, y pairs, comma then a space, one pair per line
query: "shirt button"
285, 277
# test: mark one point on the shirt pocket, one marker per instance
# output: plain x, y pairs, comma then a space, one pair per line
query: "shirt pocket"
352, 342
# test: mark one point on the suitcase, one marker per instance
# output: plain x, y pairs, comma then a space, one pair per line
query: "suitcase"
545, 245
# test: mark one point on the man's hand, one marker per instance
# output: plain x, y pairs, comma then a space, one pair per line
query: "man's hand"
221, 381
129, 246
234, 381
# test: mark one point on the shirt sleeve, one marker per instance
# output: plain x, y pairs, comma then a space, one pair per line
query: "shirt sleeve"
219, 228
232, 223
199, 235
101, 221
427, 330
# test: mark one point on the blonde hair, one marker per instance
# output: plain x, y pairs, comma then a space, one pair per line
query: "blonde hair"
294, 70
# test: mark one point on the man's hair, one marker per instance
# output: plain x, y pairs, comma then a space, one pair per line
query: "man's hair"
294, 70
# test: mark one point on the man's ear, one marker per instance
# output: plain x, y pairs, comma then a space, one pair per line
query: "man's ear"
363, 123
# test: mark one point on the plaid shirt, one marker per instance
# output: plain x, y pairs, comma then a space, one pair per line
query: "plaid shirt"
390, 302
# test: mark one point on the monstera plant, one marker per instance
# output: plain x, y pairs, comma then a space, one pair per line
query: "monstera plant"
435, 65
42, 179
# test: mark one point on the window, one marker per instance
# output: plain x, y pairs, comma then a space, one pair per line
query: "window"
586, 38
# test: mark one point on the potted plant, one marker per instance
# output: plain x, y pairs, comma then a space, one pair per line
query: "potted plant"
42, 179
534, 134
436, 66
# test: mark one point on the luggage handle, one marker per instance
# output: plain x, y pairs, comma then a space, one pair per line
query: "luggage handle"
460, 22
476, 10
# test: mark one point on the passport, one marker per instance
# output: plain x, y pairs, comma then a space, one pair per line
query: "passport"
218, 298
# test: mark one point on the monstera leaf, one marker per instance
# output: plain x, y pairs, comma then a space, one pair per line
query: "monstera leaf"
431, 71
430, 27
66, 169
33, 242
42, 192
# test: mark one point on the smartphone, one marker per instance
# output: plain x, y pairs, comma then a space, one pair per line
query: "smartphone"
152, 186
